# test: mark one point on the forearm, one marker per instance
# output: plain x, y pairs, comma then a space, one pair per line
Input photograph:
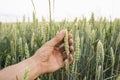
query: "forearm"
18, 70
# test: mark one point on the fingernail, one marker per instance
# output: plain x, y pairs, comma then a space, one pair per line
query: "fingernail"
62, 31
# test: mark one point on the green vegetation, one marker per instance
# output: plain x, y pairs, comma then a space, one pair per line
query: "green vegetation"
96, 43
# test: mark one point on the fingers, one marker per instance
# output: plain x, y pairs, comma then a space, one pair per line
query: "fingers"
71, 45
57, 39
71, 49
62, 49
64, 56
71, 41
69, 36
70, 57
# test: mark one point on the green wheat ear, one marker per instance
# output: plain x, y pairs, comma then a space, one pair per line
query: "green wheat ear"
100, 52
99, 60
77, 54
7, 61
66, 43
20, 49
118, 40
32, 40
73, 67
112, 56
27, 51
85, 78
118, 78
26, 73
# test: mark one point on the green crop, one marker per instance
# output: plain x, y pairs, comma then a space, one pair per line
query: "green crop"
96, 43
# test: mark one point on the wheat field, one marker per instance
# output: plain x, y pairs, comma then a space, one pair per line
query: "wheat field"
96, 43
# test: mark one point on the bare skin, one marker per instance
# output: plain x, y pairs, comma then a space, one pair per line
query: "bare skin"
49, 58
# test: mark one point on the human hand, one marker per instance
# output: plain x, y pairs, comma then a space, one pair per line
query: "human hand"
50, 57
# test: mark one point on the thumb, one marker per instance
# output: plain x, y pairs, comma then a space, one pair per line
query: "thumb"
58, 38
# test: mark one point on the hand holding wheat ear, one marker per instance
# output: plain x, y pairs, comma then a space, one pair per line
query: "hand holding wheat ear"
51, 55
49, 58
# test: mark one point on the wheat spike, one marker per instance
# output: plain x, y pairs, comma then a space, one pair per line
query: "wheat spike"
77, 47
100, 52
73, 67
20, 50
32, 40
118, 78
66, 49
26, 73
7, 61
27, 51
85, 78
118, 40
112, 56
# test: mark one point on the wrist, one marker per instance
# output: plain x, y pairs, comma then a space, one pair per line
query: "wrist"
39, 65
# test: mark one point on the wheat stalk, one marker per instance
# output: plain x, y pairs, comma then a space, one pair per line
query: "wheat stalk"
98, 72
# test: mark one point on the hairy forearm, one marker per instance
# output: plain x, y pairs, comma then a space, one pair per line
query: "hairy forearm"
17, 71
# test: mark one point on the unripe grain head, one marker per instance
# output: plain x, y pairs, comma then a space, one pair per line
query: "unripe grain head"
27, 51
100, 52
66, 43
77, 47
112, 56
118, 40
